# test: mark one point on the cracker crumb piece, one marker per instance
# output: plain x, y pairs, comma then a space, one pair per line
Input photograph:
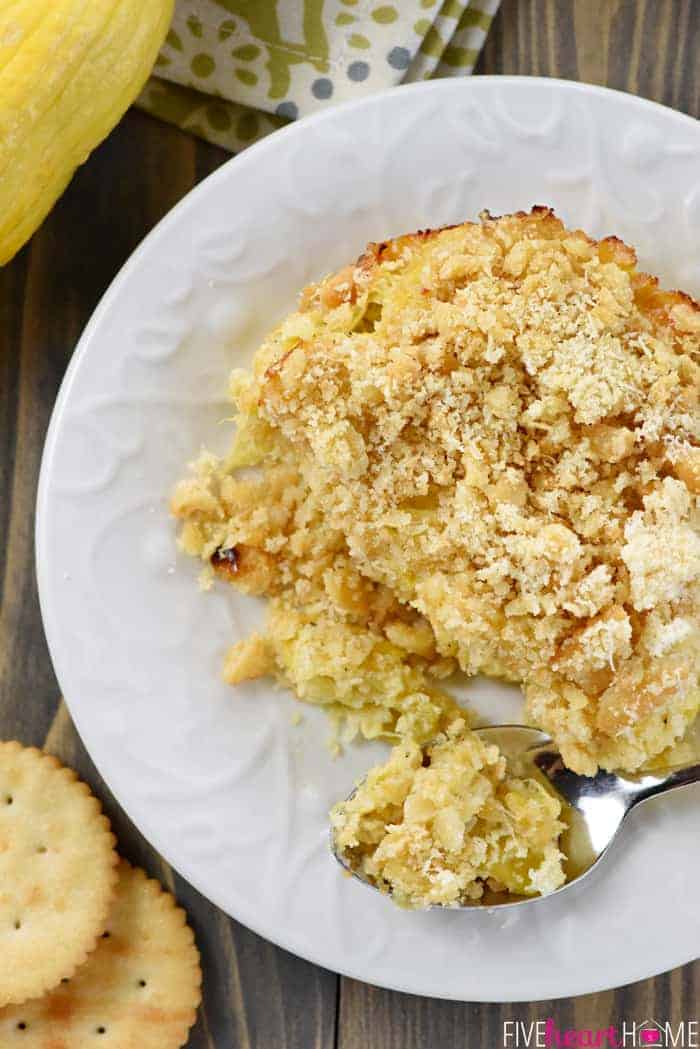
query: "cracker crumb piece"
248, 659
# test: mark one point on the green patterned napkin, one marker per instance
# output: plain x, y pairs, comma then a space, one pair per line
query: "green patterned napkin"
231, 71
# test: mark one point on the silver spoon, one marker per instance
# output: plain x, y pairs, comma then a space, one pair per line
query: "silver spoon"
596, 806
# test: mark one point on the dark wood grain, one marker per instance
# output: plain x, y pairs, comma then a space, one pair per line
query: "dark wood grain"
257, 996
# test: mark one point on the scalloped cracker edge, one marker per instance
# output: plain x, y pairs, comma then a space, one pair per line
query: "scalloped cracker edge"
141, 986
57, 872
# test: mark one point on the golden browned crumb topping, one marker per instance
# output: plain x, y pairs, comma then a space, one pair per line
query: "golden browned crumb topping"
436, 827
478, 446
338, 638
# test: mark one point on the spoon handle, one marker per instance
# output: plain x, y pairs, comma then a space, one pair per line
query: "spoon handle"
649, 786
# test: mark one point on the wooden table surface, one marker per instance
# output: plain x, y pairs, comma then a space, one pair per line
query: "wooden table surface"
256, 995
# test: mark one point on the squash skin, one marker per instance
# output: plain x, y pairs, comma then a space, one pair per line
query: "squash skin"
69, 69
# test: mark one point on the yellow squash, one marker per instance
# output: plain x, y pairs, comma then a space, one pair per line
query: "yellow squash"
68, 71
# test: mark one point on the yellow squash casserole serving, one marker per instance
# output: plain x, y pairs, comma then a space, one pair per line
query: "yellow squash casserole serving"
476, 448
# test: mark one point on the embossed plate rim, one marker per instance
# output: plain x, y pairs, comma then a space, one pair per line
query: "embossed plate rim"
549, 982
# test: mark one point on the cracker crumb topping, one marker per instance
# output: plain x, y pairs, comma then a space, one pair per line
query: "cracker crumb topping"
478, 447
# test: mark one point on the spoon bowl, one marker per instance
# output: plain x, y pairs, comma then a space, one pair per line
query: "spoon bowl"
595, 807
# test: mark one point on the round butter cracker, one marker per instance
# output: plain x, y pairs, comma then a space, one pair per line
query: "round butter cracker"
139, 989
57, 872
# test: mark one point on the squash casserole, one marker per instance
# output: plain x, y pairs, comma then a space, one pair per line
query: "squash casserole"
441, 826
477, 448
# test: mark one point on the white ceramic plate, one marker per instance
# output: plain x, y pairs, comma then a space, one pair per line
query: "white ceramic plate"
224, 786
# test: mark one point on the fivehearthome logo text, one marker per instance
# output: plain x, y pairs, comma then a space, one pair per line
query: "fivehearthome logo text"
627, 1034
